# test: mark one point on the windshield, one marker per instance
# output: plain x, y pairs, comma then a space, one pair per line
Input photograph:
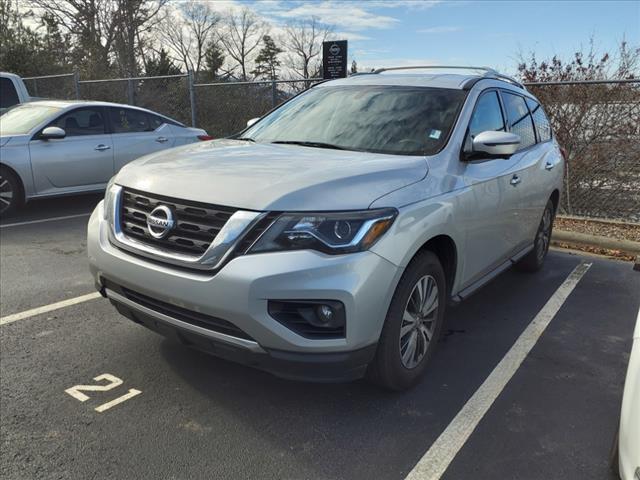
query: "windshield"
24, 118
380, 119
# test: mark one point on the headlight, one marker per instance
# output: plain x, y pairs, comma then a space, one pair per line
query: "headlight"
329, 232
109, 199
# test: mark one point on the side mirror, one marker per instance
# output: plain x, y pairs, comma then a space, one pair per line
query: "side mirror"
252, 121
496, 144
51, 133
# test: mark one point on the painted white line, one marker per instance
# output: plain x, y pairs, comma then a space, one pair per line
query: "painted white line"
106, 406
442, 452
52, 219
48, 308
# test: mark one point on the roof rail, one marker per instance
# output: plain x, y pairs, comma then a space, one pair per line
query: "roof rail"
488, 72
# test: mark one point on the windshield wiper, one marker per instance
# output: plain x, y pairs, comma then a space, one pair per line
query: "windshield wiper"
245, 139
310, 144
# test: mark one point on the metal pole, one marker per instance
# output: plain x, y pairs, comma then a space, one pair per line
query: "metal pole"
76, 83
192, 99
131, 92
274, 93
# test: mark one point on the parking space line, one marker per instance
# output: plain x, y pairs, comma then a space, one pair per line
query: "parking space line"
42, 220
48, 308
442, 452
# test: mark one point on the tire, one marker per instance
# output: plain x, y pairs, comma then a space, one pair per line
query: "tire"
534, 260
11, 196
393, 366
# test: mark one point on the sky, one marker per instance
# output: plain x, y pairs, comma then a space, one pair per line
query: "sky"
482, 33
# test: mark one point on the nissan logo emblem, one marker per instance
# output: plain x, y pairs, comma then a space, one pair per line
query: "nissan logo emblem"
160, 221
334, 49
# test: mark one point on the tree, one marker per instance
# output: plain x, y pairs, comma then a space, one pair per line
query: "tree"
103, 33
597, 124
161, 64
354, 67
267, 62
214, 60
188, 32
241, 37
27, 51
303, 40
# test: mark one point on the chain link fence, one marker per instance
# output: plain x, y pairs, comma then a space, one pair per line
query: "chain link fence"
597, 123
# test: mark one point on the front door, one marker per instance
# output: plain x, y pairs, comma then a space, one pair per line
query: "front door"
84, 158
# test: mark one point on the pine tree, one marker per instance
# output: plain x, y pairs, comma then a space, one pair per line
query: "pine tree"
214, 60
267, 62
161, 65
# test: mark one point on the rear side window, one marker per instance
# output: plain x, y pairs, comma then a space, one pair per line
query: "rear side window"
487, 115
126, 120
543, 126
520, 121
156, 122
81, 121
8, 94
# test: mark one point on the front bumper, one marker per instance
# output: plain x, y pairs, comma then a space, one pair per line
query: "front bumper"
239, 292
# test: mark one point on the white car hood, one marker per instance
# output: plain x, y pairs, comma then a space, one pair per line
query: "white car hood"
257, 176
14, 140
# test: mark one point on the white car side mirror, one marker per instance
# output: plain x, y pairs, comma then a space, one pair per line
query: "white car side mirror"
496, 144
252, 121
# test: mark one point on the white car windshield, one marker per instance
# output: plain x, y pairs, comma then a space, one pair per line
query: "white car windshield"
373, 118
22, 119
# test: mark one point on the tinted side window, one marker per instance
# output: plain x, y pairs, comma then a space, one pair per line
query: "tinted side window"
520, 121
8, 94
486, 116
156, 122
125, 120
81, 121
543, 126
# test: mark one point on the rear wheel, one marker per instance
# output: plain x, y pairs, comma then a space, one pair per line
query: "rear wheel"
10, 191
534, 260
412, 326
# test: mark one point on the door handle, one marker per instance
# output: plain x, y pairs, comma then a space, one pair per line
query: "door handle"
549, 166
515, 180
101, 147
162, 139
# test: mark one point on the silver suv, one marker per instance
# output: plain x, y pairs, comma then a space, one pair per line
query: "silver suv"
326, 240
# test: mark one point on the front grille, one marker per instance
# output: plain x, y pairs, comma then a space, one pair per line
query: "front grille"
179, 313
197, 224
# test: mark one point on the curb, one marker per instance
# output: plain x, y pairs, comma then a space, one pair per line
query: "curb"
627, 246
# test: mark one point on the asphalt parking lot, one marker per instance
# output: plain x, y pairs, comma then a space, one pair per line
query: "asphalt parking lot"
195, 416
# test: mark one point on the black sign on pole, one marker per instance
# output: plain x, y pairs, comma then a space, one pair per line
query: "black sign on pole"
334, 59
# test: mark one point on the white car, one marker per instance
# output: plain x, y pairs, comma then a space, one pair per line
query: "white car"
57, 147
627, 450
12, 91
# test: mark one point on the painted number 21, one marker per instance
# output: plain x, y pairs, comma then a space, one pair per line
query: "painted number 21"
113, 382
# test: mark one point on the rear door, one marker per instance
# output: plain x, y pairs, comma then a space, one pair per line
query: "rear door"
532, 196
136, 133
83, 158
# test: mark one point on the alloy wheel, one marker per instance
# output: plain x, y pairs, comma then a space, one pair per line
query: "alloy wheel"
6, 194
544, 234
418, 321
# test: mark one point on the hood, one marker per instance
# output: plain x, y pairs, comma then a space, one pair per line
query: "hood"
14, 140
257, 176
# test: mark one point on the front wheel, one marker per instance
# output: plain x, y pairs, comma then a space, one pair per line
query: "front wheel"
10, 192
412, 326
534, 260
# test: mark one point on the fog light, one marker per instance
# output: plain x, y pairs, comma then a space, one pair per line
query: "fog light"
325, 313
310, 318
